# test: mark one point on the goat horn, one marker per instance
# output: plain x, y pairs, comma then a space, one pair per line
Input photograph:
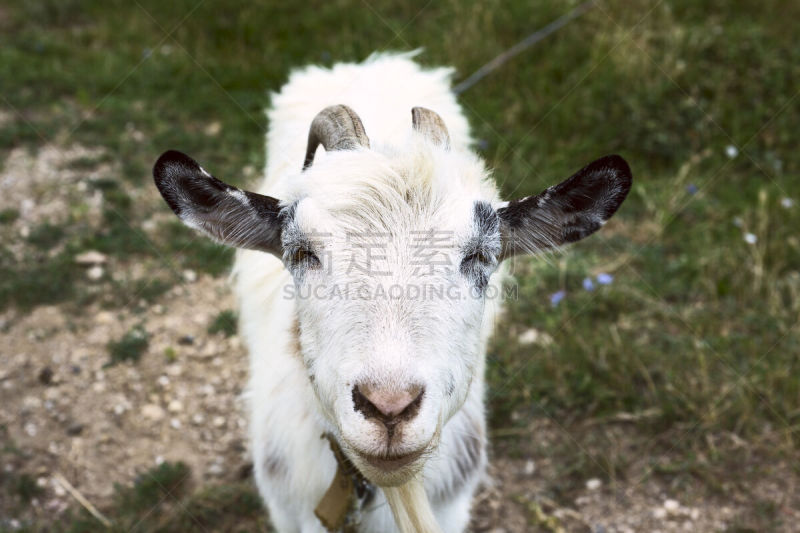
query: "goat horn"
431, 125
336, 127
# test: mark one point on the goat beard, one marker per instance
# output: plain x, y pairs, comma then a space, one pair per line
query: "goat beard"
411, 508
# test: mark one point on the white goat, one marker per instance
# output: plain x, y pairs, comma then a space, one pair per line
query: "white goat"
367, 317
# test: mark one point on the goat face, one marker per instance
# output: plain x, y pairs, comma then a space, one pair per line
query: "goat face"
390, 285
391, 252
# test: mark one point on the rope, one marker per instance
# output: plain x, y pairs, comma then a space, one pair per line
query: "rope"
523, 45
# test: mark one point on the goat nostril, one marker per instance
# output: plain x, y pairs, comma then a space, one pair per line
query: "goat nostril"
387, 405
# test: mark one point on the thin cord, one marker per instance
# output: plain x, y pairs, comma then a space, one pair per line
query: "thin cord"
521, 46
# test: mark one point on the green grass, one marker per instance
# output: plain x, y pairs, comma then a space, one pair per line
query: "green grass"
8, 215
224, 322
698, 329
163, 500
130, 347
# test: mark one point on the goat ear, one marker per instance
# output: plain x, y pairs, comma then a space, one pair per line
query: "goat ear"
226, 214
567, 212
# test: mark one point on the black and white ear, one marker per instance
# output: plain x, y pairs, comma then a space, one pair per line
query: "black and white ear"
567, 212
226, 214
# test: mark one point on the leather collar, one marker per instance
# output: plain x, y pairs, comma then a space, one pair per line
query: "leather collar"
339, 508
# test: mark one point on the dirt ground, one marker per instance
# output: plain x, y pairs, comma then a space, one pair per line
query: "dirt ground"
72, 415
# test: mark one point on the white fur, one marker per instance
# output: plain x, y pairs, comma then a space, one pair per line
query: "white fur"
401, 184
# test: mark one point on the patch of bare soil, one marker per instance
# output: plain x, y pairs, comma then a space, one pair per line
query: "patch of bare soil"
68, 412
43, 187
527, 491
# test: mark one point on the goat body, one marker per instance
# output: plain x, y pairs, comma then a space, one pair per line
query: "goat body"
369, 280
293, 465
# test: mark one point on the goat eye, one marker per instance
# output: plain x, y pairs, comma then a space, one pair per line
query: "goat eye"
305, 258
478, 257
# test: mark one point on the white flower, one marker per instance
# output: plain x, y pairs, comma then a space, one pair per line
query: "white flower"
750, 238
731, 151
529, 336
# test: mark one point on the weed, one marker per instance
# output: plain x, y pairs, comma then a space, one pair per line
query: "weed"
130, 347
224, 322
46, 236
7, 216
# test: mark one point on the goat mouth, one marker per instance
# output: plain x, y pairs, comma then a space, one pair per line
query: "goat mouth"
389, 463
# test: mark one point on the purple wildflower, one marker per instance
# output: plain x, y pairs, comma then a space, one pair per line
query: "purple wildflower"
691, 188
588, 285
605, 279
556, 298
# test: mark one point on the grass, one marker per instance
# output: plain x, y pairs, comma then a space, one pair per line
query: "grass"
163, 500
699, 328
8, 215
224, 322
130, 347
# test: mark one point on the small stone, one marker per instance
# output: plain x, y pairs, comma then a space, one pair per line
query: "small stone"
163, 380
31, 429
210, 350
46, 376
530, 467
174, 423
594, 484
671, 506
659, 513
153, 412
95, 273
218, 421
159, 460
174, 370
175, 406
74, 429
104, 317
198, 419
189, 276
186, 340
91, 257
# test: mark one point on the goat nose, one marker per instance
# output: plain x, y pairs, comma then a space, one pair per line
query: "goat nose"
389, 405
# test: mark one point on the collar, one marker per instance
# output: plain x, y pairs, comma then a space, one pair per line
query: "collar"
348, 492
